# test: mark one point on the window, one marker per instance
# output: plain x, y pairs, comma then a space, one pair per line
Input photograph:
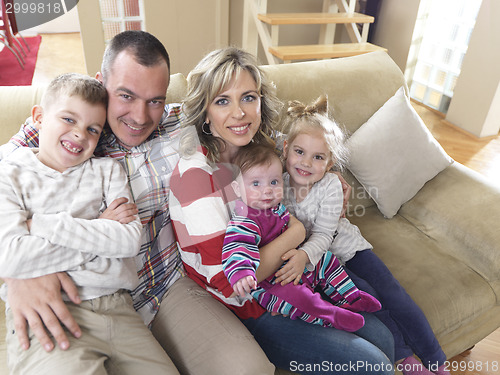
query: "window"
440, 41
121, 15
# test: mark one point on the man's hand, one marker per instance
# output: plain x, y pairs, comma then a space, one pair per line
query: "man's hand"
39, 303
120, 210
293, 270
244, 286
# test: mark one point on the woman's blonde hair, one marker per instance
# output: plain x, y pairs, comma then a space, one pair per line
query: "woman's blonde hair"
207, 80
307, 119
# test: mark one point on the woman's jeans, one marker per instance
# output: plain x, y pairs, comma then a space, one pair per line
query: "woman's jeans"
312, 349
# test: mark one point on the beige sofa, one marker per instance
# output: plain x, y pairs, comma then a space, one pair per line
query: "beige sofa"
443, 245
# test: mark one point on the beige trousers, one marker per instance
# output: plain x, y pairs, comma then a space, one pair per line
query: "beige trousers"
114, 341
203, 337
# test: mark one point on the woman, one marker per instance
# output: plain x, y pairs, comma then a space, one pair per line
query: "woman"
230, 104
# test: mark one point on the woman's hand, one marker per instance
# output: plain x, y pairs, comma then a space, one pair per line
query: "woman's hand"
346, 190
38, 302
120, 210
293, 270
244, 285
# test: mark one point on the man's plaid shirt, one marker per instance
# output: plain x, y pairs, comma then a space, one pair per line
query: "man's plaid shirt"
149, 167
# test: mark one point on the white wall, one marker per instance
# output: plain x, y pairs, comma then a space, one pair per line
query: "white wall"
395, 24
189, 29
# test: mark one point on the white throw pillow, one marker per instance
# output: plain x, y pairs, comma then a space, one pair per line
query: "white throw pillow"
393, 154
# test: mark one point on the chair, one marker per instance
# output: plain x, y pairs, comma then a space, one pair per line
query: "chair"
7, 37
14, 28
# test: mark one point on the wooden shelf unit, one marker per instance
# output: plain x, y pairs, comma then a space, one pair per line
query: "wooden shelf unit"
257, 23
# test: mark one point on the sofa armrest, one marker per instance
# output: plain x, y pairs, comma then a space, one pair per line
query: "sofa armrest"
460, 209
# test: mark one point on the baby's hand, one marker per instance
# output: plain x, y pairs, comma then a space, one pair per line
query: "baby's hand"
293, 270
244, 285
120, 210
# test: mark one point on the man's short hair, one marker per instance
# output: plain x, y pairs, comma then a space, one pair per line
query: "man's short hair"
146, 48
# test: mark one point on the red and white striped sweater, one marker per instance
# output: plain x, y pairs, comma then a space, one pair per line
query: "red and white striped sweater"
199, 194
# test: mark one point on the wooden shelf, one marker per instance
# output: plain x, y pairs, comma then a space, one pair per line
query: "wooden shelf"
289, 53
313, 18
264, 26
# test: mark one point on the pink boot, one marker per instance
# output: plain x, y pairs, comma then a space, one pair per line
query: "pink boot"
442, 370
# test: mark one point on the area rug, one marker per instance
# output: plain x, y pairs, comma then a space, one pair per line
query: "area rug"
11, 73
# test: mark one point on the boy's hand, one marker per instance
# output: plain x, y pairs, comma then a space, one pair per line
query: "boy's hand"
244, 285
293, 270
120, 210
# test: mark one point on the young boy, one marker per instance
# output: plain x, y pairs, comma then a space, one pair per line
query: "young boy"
63, 210
259, 218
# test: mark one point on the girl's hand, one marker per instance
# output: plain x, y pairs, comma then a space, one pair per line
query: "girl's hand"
120, 210
244, 286
293, 270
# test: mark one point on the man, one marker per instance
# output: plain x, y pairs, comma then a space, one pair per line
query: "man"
197, 332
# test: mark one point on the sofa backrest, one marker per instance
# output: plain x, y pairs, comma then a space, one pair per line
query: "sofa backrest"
15, 106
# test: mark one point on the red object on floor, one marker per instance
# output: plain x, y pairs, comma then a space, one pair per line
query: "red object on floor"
11, 73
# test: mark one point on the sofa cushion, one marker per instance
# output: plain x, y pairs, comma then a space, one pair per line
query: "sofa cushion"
393, 154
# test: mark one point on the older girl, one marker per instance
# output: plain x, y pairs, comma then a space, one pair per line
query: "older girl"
230, 104
315, 145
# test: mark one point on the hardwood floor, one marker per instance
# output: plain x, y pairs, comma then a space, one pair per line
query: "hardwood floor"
58, 53
61, 53
479, 154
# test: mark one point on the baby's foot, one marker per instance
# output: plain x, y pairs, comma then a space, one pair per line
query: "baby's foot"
346, 320
365, 302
